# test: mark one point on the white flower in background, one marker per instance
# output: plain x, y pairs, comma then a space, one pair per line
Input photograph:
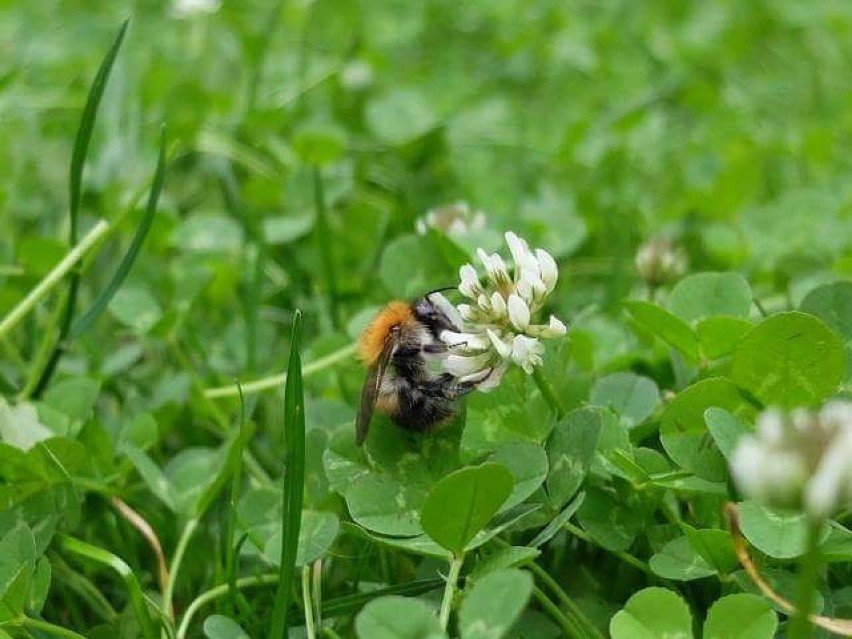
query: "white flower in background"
454, 219
497, 328
658, 261
798, 460
357, 75
188, 8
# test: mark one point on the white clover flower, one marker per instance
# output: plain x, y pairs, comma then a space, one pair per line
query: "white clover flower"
658, 261
455, 219
187, 8
497, 328
798, 460
357, 75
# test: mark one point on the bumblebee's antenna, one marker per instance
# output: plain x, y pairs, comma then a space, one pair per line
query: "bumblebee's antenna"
440, 290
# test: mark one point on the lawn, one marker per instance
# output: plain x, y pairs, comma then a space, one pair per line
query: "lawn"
204, 204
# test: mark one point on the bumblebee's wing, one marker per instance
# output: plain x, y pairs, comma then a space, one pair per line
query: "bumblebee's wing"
370, 391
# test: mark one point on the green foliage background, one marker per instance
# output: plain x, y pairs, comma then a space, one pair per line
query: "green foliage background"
304, 141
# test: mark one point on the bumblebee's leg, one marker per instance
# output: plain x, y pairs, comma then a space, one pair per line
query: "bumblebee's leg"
441, 348
448, 387
434, 349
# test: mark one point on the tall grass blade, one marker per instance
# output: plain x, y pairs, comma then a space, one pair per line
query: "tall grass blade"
75, 180
82, 323
84, 132
294, 482
231, 553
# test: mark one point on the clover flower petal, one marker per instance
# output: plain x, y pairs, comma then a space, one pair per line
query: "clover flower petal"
519, 312
503, 349
548, 269
493, 378
498, 305
468, 313
527, 352
469, 286
471, 341
456, 219
553, 328
495, 267
462, 365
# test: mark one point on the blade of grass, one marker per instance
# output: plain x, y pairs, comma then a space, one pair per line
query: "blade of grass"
106, 558
75, 180
97, 604
239, 604
84, 132
231, 525
82, 323
293, 484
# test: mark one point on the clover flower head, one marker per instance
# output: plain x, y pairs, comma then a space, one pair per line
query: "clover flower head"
187, 8
498, 314
658, 261
455, 219
357, 75
798, 459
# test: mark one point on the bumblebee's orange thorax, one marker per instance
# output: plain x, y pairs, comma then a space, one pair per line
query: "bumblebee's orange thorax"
373, 338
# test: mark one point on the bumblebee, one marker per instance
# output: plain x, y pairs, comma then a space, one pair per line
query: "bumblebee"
402, 350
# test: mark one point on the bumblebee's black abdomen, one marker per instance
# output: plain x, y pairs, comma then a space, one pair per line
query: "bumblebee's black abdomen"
423, 405
418, 411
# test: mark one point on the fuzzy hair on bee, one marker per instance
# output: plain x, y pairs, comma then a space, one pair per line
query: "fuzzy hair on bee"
402, 349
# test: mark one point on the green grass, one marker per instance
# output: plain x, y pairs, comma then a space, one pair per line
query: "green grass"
166, 471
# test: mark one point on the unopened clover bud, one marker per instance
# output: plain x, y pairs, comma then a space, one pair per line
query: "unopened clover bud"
658, 261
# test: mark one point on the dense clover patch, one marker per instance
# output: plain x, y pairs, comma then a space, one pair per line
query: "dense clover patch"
202, 207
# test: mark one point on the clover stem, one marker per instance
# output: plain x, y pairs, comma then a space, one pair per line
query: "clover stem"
54, 277
307, 603
275, 381
49, 628
183, 542
548, 392
800, 625
450, 589
570, 628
